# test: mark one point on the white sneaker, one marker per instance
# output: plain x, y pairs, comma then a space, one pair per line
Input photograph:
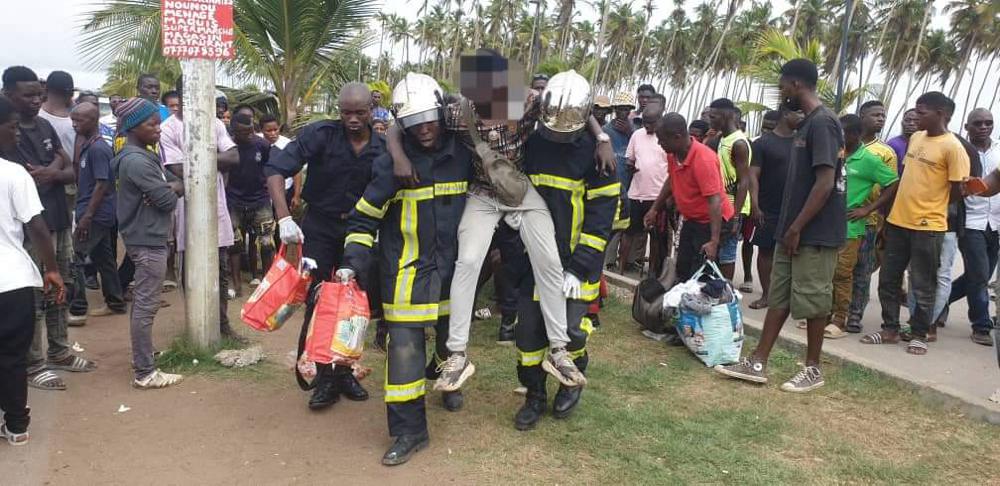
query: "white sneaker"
454, 371
73, 320
559, 364
13, 439
231, 294
157, 379
255, 282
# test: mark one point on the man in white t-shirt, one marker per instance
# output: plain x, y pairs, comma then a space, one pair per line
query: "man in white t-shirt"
55, 110
20, 209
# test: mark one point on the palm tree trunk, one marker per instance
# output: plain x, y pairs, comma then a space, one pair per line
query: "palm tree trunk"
989, 69
600, 43
878, 46
837, 65
965, 64
968, 94
911, 71
996, 91
795, 19
892, 59
642, 38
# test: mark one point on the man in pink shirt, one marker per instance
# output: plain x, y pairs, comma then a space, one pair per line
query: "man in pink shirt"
648, 163
175, 160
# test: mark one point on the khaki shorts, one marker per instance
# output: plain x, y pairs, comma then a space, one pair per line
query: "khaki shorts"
803, 283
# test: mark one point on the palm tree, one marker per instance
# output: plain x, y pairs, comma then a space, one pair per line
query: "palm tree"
969, 20
293, 49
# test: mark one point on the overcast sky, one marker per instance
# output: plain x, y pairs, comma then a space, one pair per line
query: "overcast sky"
50, 45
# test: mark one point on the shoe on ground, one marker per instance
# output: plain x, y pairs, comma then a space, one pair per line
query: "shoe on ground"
157, 379
92, 283
231, 294
746, 287
505, 336
454, 371
76, 321
565, 401
13, 439
404, 448
809, 379
655, 336
483, 314
105, 311
350, 387
530, 413
255, 282
453, 400
747, 369
324, 395
559, 364
982, 337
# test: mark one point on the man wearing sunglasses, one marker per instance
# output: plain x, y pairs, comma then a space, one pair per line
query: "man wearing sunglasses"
980, 242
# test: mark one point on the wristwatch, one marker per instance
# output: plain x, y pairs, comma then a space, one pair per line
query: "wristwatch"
603, 138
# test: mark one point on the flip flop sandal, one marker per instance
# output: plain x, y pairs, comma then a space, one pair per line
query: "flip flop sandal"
746, 288
878, 338
931, 336
46, 380
854, 328
917, 347
758, 304
833, 332
74, 364
802, 325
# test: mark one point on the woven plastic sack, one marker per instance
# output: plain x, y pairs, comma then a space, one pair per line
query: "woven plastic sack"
339, 320
282, 291
717, 337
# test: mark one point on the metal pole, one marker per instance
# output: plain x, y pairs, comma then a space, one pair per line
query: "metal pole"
201, 255
848, 13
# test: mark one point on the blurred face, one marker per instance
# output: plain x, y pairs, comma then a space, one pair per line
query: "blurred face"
909, 123
622, 112
928, 118
242, 134
852, 137
793, 118
643, 98
980, 126
671, 143
148, 132
789, 90
380, 127
767, 126
149, 88
355, 114
114, 101
697, 133
271, 131
226, 117
873, 119
539, 84
426, 134
246, 111
9, 133
705, 113
174, 104
376, 98
83, 122
601, 113
27, 98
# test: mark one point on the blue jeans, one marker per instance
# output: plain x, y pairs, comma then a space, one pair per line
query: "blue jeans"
979, 254
863, 270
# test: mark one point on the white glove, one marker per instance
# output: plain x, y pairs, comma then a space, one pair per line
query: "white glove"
571, 286
345, 275
289, 231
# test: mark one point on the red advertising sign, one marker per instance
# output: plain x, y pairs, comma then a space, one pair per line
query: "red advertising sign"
197, 28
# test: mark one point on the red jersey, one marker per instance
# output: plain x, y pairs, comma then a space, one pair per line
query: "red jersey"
694, 180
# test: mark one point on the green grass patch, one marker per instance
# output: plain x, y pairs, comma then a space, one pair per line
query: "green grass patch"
187, 358
653, 414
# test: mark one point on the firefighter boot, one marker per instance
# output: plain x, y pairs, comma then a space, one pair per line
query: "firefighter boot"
566, 400
453, 400
325, 393
404, 448
348, 385
506, 335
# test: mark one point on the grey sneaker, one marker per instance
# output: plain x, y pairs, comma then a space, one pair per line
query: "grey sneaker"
454, 371
747, 369
157, 379
560, 365
809, 379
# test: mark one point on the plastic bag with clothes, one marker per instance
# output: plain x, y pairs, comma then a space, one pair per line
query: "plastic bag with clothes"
710, 321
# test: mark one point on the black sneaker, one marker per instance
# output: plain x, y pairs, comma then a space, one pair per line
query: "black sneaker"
349, 386
324, 395
453, 401
982, 337
747, 369
404, 448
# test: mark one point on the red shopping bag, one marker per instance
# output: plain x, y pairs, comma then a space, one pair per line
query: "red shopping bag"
282, 291
337, 329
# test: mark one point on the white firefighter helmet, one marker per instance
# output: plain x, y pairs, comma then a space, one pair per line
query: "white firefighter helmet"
416, 100
566, 105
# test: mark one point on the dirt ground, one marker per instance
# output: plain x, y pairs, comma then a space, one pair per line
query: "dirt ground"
210, 430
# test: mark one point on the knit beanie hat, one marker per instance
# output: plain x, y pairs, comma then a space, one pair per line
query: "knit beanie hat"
132, 112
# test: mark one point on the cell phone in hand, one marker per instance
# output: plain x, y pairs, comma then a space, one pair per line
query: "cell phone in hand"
975, 185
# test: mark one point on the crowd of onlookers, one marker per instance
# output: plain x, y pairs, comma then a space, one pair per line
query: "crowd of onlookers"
820, 197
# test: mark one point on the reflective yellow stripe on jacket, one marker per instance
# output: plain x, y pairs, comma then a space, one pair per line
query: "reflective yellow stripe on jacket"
577, 190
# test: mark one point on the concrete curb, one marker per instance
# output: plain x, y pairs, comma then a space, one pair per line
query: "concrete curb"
936, 393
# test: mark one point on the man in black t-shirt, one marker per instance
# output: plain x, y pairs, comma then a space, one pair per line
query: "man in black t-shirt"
768, 169
41, 153
812, 225
248, 200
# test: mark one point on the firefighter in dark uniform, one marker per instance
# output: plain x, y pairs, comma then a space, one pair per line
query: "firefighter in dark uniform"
417, 249
583, 203
339, 154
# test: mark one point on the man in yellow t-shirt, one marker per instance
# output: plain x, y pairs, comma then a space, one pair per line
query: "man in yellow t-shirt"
935, 165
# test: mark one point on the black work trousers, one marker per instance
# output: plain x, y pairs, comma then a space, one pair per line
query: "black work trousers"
17, 329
